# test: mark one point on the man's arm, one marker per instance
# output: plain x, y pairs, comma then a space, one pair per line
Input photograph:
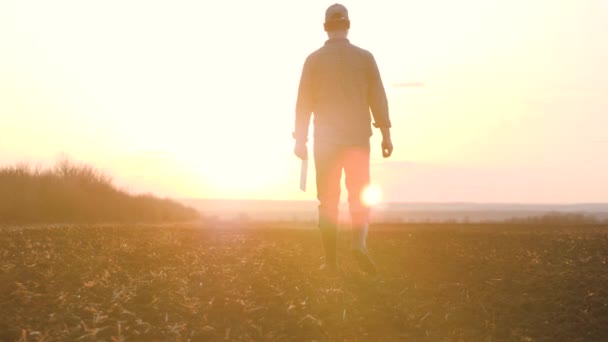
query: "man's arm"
304, 105
378, 102
379, 105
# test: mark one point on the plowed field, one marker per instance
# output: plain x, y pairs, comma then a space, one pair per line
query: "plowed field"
435, 283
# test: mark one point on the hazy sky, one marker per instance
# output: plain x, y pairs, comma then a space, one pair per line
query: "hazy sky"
196, 98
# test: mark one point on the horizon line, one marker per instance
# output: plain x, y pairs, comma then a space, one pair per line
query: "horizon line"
399, 202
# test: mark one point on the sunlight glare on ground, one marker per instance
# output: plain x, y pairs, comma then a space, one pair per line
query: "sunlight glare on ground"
372, 195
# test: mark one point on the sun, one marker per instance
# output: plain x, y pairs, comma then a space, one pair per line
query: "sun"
372, 195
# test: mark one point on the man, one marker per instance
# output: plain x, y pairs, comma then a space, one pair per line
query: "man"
340, 83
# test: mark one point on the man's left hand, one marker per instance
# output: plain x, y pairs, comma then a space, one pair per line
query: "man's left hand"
301, 151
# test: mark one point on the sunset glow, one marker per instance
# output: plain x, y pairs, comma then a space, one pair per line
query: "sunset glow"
372, 195
499, 101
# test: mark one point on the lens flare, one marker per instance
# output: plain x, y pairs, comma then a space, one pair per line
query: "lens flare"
372, 195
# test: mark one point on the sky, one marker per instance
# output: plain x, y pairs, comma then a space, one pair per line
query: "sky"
507, 99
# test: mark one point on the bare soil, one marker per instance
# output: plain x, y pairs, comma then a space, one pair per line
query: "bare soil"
435, 283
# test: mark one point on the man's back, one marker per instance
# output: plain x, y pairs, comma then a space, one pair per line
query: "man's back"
340, 82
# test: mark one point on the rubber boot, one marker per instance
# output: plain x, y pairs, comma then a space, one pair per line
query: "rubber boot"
359, 247
329, 234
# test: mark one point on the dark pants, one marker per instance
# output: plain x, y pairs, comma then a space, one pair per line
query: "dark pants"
330, 160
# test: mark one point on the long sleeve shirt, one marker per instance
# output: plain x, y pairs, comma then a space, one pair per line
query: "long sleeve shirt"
340, 84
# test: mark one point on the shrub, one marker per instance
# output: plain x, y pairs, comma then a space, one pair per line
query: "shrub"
70, 192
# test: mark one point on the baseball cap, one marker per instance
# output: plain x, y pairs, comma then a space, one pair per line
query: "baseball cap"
336, 13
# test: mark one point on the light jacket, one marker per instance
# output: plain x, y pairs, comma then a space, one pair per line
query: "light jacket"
340, 84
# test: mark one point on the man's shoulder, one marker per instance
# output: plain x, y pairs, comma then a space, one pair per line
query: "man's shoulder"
324, 50
360, 50
318, 52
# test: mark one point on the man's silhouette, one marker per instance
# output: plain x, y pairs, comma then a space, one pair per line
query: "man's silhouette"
340, 83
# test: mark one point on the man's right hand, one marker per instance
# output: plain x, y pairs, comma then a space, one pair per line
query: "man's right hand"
387, 147
387, 144
301, 151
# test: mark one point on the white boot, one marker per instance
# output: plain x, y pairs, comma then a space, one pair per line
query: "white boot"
359, 238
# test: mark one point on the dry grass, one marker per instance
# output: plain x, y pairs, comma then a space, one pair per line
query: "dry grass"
436, 283
77, 193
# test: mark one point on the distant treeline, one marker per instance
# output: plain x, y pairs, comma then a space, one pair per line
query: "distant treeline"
69, 192
557, 218
546, 219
